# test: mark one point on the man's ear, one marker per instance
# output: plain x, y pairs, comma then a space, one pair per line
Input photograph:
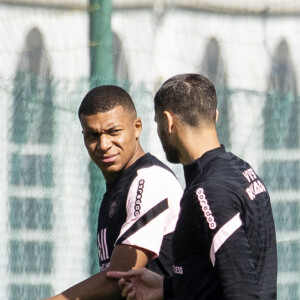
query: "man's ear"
169, 119
217, 115
138, 127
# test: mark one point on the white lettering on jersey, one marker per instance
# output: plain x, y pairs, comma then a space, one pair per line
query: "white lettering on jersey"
206, 209
104, 266
250, 175
178, 270
138, 198
256, 187
102, 245
112, 209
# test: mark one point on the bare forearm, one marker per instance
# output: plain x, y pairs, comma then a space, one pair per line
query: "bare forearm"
100, 287
96, 287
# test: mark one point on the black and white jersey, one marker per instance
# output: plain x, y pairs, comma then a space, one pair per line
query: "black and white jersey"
141, 209
224, 244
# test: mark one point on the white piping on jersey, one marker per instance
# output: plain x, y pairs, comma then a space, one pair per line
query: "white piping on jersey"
223, 234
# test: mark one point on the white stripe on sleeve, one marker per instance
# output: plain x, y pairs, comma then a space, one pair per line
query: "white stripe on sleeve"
223, 234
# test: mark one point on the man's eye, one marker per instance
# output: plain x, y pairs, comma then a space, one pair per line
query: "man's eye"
115, 131
91, 135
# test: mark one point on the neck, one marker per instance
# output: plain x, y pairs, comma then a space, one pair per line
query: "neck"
194, 143
138, 153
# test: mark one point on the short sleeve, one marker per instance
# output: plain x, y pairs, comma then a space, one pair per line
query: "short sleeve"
152, 209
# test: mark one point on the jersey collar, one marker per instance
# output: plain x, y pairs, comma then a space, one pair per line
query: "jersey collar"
128, 171
196, 167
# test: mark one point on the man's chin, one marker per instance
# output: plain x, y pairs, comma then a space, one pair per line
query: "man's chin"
111, 173
110, 168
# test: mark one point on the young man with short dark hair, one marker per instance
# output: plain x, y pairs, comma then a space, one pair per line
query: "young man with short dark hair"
140, 208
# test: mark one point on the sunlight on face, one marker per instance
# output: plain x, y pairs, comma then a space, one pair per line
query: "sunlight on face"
111, 139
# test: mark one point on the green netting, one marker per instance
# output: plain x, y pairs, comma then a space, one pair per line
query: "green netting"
50, 191
43, 135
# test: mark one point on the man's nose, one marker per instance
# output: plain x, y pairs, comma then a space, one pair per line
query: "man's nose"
104, 142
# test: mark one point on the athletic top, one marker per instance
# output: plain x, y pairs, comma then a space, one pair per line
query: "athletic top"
141, 209
224, 244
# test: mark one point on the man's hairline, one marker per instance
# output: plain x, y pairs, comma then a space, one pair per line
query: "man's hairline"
200, 124
125, 107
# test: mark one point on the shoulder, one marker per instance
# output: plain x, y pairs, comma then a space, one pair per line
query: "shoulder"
159, 177
149, 160
217, 187
153, 184
226, 173
155, 170
152, 168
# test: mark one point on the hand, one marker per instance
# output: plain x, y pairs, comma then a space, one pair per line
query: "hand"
140, 284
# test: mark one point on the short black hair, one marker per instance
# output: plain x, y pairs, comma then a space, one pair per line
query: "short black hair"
190, 96
104, 98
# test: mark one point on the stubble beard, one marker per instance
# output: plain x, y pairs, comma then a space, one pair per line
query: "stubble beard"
172, 153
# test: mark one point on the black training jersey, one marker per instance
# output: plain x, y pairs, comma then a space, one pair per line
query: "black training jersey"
140, 209
224, 244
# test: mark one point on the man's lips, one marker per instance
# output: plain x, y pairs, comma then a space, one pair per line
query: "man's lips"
108, 159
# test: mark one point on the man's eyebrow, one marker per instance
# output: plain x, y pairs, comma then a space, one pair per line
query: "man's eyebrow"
114, 126
87, 130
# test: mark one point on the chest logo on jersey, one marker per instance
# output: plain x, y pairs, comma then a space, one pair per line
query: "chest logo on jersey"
206, 209
256, 187
112, 209
138, 198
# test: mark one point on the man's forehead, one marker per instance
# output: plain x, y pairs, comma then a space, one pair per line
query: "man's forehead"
103, 120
